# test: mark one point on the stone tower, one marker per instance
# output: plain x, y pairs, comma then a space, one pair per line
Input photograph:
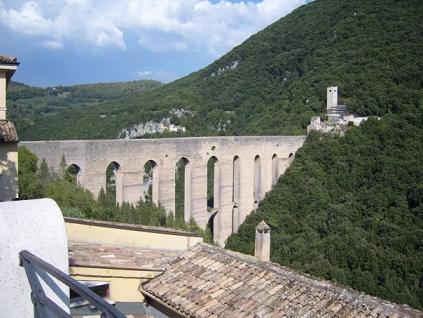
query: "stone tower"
332, 97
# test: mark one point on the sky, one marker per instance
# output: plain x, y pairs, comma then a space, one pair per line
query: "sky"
64, 42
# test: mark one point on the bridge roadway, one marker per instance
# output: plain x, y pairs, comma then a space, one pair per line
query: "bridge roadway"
245, 169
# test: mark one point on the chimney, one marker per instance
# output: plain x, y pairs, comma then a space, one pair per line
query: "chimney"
262, 250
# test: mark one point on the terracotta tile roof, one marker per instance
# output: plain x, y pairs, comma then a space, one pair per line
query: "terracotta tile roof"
107, 256
4, 59
8, 132
208, 281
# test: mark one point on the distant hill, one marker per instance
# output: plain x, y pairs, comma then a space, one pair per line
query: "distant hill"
276, 80
28, 105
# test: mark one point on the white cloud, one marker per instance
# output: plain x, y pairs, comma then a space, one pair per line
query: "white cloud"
160, 75
52, 44
158, 24
28, 20
144, 74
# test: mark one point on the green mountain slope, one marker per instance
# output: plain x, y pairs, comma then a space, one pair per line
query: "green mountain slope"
27, 104
350, 209
276, 80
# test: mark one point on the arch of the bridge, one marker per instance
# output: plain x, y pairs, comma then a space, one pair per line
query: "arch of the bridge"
275, 169
73, 173
150, 191
182, 186
213, 191
236, 188
114, 181
257, 180
213, 183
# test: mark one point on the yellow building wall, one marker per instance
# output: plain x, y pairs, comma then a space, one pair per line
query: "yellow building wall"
8, 171
124, 283
96, 234
3, 84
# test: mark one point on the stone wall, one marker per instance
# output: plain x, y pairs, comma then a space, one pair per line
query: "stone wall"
93, 157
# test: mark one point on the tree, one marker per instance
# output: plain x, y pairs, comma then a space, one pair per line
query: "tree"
30, 186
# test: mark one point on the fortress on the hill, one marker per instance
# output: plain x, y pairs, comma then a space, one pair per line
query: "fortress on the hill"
337, 116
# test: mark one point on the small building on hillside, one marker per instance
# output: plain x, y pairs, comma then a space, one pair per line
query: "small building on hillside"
337, 116
8, 136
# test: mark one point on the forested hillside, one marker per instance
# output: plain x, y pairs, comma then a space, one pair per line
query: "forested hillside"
276, 80
28, 104
350, 209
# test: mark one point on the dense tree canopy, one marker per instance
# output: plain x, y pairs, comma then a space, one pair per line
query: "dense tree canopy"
350, 209
27, 105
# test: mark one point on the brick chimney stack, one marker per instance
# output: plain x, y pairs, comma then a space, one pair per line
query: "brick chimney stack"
262, 250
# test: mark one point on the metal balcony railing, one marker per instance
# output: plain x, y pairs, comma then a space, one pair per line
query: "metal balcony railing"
44, 307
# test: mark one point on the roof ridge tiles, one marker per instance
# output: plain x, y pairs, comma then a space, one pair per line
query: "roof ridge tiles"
5, 59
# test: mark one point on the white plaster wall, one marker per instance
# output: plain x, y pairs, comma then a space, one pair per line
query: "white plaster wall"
3, 94
36, 226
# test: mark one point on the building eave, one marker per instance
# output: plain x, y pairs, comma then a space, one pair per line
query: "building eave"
147, 295
9, 66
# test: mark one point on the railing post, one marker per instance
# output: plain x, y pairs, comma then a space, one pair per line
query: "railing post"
37, 290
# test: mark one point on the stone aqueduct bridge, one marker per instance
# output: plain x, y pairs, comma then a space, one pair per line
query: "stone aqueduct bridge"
245, 168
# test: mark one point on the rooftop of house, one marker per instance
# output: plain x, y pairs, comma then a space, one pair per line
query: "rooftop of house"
108, 256
131, 227
8, 132
4, 59
209, 281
